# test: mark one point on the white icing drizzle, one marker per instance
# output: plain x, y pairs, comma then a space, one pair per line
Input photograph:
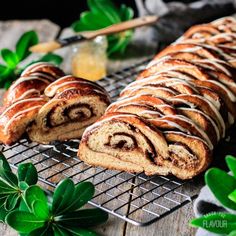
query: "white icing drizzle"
100, 122
187, 135
17, 114
213, 108
226, 82
180, 75
158, 79
19, 102
49, 77
129, 100
222, 20
171, 68
54, 86
216, 49
36, 66
151, 89
189, 121
72, 87
26, 93
226, 36
231, 96
27, 78
206, 116
191, 49
215, 63
159, 60
149, 112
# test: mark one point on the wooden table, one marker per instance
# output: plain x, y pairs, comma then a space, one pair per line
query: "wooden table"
175, 224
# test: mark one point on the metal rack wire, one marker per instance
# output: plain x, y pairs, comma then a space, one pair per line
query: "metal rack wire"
136, 198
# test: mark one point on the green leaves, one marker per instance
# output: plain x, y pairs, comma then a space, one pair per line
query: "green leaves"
105, 7
68, 197
62, 195
32, 212
104, 13
221, 189
83, 193
80, 231
232, 196
36, 201
11, 70
12, 186
3, 163
27, 40
9, 57
223, 186
28, 173
83, 218
24, 222
51, 57
220, 223
231, 163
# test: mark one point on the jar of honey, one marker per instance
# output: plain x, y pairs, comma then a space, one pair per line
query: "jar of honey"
89, 59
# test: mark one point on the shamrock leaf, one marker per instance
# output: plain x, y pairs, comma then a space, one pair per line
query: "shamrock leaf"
231, 163
9, 57
43, 231
9, 178
31, 211
3, 214
51, 57
24, 222
28, 173
27, 40
83, 218
221, 189
59, 231
36, 201
80, 231
11, 71
83, 192
104, 13
11, 201
4, 165
232, 233
232, 196
62, 195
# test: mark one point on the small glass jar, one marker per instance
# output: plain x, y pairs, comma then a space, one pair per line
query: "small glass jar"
89, 59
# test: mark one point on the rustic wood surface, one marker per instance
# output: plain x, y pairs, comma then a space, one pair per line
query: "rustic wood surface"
174, 224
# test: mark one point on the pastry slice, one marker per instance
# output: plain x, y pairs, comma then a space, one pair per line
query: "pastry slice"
74, 104
15, 118
129, 143
34, 79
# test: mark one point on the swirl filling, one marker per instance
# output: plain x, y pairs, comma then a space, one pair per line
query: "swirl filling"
72, 113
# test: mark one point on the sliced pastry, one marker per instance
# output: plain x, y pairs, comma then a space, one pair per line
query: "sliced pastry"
74, 104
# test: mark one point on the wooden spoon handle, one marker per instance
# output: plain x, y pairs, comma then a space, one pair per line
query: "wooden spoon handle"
116, 28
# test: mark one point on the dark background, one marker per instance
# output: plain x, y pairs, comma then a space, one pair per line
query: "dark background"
62, 12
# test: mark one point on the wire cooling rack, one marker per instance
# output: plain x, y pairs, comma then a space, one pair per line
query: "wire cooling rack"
136, 198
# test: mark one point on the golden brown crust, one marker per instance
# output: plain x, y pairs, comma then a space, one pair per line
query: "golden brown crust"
15, 118
50, 108
187, 92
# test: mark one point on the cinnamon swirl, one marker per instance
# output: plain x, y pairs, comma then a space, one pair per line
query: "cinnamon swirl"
74, 104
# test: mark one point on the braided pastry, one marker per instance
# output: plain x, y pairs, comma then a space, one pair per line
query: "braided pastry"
74, 104
169, 120
34, 79
49, 106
